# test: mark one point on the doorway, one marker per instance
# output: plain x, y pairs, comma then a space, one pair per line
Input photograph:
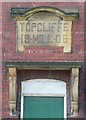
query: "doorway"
43, 98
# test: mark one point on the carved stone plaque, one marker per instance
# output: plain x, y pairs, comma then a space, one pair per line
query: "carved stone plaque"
44, 33
43, 27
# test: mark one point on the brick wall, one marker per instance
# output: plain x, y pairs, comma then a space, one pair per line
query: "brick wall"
10, 54
0, 60
85, 57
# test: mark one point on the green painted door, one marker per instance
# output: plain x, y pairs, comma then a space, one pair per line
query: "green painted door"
43, 107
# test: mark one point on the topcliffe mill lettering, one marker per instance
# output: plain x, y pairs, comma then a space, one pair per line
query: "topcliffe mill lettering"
38, 33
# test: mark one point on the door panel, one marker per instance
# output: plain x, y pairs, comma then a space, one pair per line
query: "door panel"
43, 107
